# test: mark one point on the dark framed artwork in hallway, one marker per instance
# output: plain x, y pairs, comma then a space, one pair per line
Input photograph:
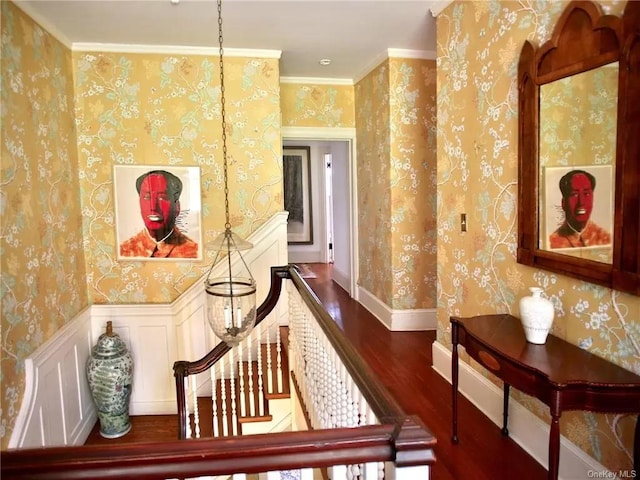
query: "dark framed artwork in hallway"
296, 168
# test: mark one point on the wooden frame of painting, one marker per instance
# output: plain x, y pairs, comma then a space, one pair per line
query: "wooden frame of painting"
296, 168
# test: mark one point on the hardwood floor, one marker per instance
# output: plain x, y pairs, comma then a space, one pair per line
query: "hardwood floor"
402, 361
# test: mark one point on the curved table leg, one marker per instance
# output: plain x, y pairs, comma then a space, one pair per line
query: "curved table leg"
554, 447
636, 447
505, 409
454, 381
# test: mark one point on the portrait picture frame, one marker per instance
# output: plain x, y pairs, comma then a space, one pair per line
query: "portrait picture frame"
296, 168
130, 224
552, 214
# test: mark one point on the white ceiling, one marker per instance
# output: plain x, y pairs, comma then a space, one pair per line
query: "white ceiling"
355, 34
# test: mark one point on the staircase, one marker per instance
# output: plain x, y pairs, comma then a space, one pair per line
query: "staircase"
252, 397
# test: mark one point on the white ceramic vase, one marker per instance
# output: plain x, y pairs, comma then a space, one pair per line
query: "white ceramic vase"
536, 314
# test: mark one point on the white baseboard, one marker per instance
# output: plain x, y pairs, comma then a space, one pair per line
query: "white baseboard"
529, 431
398, 320
341, 279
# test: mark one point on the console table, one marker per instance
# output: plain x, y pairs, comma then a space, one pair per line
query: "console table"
560, 374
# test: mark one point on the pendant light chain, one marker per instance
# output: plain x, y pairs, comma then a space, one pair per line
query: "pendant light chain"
227, 225
231, 299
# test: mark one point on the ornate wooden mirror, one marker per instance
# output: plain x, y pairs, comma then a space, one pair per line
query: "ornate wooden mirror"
579, 148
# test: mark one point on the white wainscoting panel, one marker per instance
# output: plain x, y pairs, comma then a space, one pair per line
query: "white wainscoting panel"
529, 431
398, 320
57, 408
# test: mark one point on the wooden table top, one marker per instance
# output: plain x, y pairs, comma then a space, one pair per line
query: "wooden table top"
562, 362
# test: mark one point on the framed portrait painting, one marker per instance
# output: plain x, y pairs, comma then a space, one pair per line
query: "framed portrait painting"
296, 167
158, 212
577, 209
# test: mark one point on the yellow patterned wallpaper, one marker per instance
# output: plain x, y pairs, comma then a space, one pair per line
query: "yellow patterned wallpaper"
315, 105
58, 218
374, 187
153, 109
396, 125
412, 99
42, 256
478, 47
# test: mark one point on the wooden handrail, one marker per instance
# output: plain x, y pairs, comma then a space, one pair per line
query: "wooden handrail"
206, 456
183, 368
400, 439
377, 396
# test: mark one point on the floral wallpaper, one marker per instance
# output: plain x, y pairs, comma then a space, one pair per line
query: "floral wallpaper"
41, 241
161, 109
478, 47
59, 249
396, 125
315, 105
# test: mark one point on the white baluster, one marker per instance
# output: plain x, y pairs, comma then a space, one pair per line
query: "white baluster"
279, 360
243, 401
270, 387
232, 379
214, 402
196, 413
186, 407
260, 385
252, 400
223, 398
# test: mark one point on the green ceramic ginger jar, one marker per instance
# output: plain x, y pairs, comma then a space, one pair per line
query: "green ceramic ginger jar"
110, 373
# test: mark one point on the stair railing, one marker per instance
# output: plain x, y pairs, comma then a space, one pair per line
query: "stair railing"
378, 433
335, 387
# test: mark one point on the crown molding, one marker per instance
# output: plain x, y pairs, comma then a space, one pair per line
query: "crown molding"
419, 54
437, 6
174, 50
393, 53
317, 80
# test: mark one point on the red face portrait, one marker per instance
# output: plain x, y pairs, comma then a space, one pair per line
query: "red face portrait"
157, 206
579, 203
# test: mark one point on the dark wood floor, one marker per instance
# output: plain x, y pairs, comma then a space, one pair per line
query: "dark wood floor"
402, 361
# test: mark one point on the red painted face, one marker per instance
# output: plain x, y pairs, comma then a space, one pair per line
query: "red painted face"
158, 209
579, 204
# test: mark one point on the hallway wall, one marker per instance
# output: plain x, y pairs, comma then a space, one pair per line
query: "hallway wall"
478, 50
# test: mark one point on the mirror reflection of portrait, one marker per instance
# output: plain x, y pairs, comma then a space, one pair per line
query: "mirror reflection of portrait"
578, 229
159, 201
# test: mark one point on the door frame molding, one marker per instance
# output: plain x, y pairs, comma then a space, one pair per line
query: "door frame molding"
338, 134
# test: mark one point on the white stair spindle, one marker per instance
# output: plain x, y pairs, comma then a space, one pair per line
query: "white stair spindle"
260, 384
270, 387
232, 379
186, 407
243, 401
196, 413
252, 400
280, 381
214, 403
223, 398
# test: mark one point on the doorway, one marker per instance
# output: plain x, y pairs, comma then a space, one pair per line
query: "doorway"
334, 207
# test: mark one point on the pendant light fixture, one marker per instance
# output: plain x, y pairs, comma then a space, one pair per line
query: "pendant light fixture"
231, 298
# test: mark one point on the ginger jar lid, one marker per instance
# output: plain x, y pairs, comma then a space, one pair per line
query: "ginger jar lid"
109, 345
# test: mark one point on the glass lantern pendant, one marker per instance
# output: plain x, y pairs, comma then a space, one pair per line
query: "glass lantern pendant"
231, 298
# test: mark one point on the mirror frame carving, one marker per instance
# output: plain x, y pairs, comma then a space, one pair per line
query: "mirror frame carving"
584, 38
